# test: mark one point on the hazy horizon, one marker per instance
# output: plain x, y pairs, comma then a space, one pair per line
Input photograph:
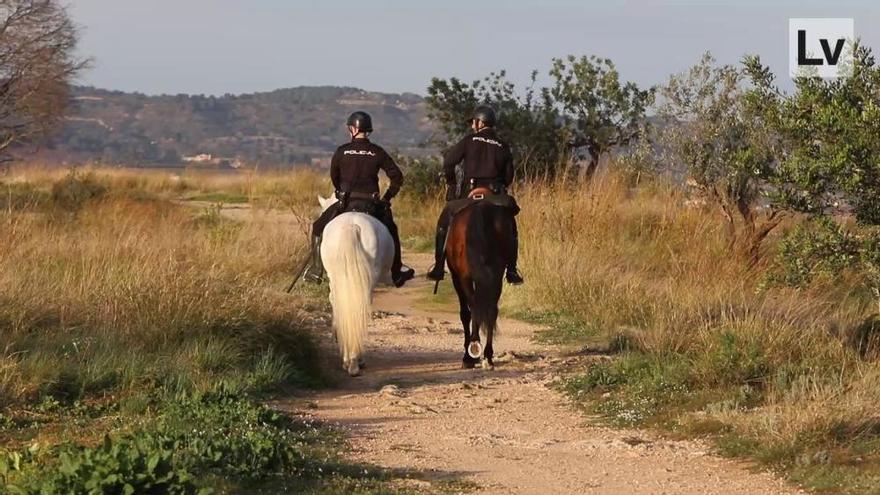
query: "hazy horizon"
221, 46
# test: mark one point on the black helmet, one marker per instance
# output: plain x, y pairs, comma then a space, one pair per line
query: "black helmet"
486, 114
361, 121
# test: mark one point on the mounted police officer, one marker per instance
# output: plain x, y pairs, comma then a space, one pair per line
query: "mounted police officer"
354, 171
488, 163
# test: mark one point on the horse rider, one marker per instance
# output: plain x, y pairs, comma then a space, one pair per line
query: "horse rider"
354, 170
488, 163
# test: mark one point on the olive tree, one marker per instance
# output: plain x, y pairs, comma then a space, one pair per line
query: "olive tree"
829, 168
602, 113
528, 121
831, 133
716, 129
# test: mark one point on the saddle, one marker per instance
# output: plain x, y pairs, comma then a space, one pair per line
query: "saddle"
479, 193
362, 203
482, 194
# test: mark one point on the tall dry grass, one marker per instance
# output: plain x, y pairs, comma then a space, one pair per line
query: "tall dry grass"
705, 343
269, 189
133, 290
638, 260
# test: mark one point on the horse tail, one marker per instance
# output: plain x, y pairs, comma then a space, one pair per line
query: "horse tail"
351, 285
484, 268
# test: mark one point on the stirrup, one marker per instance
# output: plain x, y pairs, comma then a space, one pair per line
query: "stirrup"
313, 278
513, 277
435, 274
402, 277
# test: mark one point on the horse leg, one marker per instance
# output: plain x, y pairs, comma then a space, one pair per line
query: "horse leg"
489, 351
465, 314
353, 368
351, 363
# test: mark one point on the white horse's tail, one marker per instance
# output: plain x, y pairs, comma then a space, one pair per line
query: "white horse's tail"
350, 291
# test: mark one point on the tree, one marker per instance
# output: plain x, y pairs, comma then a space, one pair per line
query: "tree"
37, 41
830, 131
530, 123
716, 128
603, 113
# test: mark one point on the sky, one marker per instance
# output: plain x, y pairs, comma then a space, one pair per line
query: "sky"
227, 46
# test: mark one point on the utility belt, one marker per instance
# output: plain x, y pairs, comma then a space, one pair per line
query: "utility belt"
493, 185
368, 203
498, 196
344, 196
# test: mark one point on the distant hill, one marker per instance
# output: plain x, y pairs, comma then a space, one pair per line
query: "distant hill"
279, 128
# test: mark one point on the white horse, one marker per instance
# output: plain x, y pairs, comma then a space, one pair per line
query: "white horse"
357, 251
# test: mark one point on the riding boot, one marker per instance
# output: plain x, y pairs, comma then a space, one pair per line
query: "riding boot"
438, 271
513, 276
315, 271
399, 273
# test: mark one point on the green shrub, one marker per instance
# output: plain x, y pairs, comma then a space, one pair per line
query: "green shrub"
75, 190
632, 389
820, 248
195, 440
139, 463
424, 176
734, 362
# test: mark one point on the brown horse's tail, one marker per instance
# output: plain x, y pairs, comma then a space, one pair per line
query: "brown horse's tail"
486, 266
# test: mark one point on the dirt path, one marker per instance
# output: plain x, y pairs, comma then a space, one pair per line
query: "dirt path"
504, 431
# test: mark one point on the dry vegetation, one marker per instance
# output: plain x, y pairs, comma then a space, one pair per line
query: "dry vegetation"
703, 345
130, 313
112, 286
108, 286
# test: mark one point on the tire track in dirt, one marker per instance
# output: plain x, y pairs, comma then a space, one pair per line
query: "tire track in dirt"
505, 431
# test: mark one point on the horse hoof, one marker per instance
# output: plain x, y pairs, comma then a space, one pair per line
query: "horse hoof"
475, 349
361, 363
468, 365
487, 365
353, 368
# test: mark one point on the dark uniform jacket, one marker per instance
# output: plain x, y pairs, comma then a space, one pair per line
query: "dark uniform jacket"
487, 160
355, 169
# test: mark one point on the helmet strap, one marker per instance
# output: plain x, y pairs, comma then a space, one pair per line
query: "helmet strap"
356, 132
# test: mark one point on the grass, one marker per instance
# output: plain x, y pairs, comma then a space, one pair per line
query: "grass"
445, 300
129, 293
562, 328
128, 317
220, 197
417, 219
117, 297
702, 346
204, 443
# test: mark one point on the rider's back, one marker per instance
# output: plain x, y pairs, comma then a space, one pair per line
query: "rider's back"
484, 157
355, 168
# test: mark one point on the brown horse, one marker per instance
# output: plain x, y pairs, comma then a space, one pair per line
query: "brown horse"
478, 248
